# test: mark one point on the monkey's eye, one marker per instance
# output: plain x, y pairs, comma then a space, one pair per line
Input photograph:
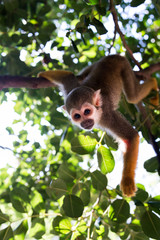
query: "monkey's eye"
87, 111
77, 116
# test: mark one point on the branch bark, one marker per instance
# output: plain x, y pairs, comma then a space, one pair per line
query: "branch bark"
117, 28
24, 82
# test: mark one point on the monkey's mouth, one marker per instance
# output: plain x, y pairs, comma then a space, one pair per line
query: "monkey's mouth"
87, 124
89, 127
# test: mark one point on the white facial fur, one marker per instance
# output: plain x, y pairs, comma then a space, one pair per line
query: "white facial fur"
87, 112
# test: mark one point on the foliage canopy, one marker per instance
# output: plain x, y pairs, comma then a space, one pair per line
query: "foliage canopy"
60, 185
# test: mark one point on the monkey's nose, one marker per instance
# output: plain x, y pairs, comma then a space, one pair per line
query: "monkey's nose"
87, 124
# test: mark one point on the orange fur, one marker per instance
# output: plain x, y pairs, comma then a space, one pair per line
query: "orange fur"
155, 100
128, 186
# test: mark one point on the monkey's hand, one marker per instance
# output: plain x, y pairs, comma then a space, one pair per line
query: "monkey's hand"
155, 100
128, 186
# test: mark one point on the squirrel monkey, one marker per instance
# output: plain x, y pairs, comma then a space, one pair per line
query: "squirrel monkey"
92, 98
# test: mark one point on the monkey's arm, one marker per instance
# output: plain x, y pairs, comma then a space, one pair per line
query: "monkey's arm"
124, 131
65, 80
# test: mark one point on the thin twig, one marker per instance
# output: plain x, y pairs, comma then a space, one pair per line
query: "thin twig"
115, 19
109, 50
6, 148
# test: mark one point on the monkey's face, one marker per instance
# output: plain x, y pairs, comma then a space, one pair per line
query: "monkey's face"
86, 117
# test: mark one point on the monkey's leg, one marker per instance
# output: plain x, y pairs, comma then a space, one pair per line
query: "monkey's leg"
135, 91
155, 100
145, 88
120, 127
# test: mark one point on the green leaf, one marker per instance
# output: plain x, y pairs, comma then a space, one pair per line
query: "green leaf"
37, 201
37, 228
58, 119
84, 190
19, 107
3, 217
110, 142
57, 189
74, 46
36, 145
82, 227
157, 5
141, 194
136, 3
155, 205
151, 165
99, 180
19, 233
83, 144
11, 5
92, 2
84, 19
65, 173
150, 224
140, 236
99, 26
119, 211
85, 195
20, 200
10, 130
102, 7
73, 206
155, 202
44, 10
6, 233
61, 225
106, 161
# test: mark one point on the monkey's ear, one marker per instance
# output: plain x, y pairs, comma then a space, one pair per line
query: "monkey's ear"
97, 99
64, 107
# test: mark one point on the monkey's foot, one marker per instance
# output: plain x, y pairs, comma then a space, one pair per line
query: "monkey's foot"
155, 100
128, 186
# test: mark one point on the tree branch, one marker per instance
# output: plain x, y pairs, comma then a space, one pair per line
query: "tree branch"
24, 82
115, 19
